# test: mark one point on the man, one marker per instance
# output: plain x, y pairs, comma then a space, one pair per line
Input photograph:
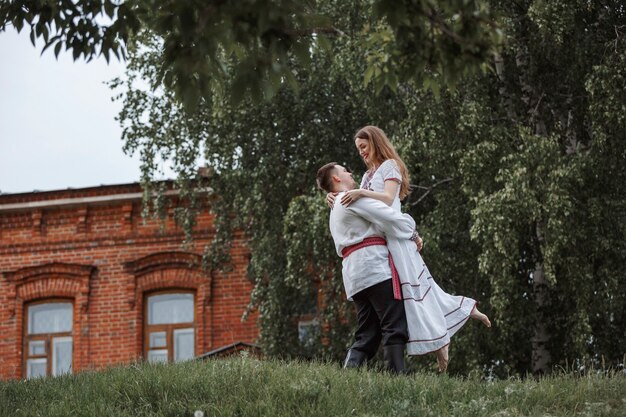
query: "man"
358, 231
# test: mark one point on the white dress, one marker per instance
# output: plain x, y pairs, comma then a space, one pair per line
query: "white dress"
433, 316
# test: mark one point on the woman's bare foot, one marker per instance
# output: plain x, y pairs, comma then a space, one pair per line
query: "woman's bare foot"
442, 359
477, 315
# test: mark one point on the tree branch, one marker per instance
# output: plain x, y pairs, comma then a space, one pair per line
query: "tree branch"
428, 190
435, 21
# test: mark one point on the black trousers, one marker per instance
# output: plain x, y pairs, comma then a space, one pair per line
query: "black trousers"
379, 317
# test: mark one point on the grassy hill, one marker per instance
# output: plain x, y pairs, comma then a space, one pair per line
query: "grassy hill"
248, 387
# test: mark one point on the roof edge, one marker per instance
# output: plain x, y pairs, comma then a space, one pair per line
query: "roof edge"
76, 201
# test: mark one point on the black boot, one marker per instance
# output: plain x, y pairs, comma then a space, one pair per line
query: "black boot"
393, 357
354, 359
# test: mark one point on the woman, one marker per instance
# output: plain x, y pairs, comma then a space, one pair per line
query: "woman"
433, 315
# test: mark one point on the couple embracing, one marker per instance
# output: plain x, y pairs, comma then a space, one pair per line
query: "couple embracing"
397, 300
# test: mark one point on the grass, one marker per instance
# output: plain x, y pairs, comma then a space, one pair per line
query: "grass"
249, 387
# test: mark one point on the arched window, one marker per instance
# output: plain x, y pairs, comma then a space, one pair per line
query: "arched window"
169, 333
48, 339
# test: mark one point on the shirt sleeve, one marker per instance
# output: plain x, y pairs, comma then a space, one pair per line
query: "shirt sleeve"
390, 171
391, 222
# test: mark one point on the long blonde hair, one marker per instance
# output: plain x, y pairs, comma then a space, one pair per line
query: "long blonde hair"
381, 149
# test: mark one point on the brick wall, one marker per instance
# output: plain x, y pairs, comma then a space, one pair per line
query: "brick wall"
92, 247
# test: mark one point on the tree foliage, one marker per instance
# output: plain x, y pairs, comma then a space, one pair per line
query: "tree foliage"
251, 43
519, 179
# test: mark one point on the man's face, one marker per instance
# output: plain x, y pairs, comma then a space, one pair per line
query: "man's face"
345, 175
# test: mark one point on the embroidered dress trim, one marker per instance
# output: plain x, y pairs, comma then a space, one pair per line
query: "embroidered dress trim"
367, 179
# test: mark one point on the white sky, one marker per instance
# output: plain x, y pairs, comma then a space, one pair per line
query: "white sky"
57, 127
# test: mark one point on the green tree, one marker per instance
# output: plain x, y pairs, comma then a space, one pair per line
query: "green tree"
524, 146
203, 43
261, 156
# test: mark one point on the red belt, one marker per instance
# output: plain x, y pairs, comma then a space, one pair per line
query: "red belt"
378, 241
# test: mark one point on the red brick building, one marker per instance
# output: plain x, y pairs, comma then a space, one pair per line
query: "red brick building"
85, 283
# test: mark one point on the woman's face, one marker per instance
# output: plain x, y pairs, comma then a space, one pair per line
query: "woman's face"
365, 150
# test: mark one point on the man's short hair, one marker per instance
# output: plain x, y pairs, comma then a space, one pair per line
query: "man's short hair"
324, 177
